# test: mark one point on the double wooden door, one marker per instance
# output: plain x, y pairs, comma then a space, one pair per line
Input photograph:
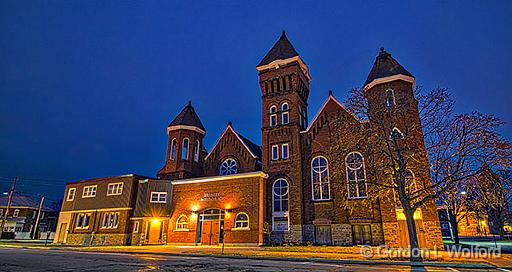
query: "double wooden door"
210, 234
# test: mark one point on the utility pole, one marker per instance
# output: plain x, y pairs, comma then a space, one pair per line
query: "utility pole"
37, 219
11, 194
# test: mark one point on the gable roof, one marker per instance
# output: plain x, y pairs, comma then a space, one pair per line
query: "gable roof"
385, 66
282, 49
254, 149
329, 99
187, 117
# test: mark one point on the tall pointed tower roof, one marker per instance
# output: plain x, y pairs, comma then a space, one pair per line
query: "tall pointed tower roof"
187, 117
282, 49
385, 66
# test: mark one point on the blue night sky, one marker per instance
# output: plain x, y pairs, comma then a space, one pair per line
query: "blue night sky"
89, 87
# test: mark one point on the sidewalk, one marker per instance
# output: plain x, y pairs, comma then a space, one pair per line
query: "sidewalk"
345, 255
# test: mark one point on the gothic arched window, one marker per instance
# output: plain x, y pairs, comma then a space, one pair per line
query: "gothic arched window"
273, 116
228, 167
390, 98
285, 115
196, 151
280, 217
173, 149
356, 175
184, 149
320, 178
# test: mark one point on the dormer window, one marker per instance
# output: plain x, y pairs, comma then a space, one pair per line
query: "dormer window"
273, 116
184, 149
285, 119
390, 98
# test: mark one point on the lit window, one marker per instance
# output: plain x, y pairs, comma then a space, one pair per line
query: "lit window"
320, 179
196, 151
115, 189
184, 149
285, 114
110, 220
285, 151
275, 152
228, 167
242, 221
89, 191
280, 217
356, 176
182, 222
82, 220
136, 227
173, 149
71, 194
273, 116
158, 197
16, 213
390, 98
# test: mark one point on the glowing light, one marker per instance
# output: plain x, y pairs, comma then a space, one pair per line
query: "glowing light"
400, 215
155, 221
463, 193
417, 215
228, 206
195, 208
194, 216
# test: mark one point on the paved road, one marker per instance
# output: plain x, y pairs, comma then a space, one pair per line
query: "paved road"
16, 259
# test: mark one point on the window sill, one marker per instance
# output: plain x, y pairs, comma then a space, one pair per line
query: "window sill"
88, 196
356, 198
321, 200
181, 230
114, 194
239, 229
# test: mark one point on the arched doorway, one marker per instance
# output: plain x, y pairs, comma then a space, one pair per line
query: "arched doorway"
210, 227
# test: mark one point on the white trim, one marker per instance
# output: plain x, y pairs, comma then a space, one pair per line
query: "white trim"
287, 151
74, 193
219, 178
348, 181
229, 127
90, 195
388, 79
158, 194
113, 184
272, 153
177, 221
322, 108
281, 62
321, 188
187, 149
235, 221
179, 127
96, 210
172, 156
281, 213
196, 151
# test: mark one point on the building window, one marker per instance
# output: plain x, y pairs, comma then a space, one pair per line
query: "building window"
82, 220
196, 151
71, 194
173, 149
136, 227
273, 116
280, 216
182, 223
242, 221
285, 151
320, 179
275, 152
285, 114
115, 189
303, 118
390, 98
16, 213
228, 167
184, 149
89, 191
362, 234
356, 176
1, 212
158, 197
110, 220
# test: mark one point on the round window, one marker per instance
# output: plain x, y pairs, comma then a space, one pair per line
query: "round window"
228, 167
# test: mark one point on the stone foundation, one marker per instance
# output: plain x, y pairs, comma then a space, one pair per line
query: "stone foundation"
341, 234
308, 233
294, 235
390, 231
377, 234
111, 239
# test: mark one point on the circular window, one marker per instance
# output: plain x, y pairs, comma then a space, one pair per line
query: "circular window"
228, 167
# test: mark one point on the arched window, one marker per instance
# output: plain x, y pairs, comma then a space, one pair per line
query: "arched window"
182, 222
280, 217
228, 167
273, 116
242, 221
285, 115
173, 149
390, 98
356, 176
320, 179
196, 151
184, 149
396, 134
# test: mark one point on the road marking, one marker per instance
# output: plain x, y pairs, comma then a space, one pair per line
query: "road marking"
503, 269
453, 269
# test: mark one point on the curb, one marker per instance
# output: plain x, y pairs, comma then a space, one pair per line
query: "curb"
286, 259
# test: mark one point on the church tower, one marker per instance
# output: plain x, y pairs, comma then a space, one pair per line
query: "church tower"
393, 112
185, 152
284, 82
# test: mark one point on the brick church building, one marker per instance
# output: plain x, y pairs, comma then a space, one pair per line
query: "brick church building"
282, 191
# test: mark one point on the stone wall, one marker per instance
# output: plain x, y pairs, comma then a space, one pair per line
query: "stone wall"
390, 231
113, 239
341, 234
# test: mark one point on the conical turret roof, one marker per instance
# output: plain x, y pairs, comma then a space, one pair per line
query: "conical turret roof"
187, 117
385, 66
282, 49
